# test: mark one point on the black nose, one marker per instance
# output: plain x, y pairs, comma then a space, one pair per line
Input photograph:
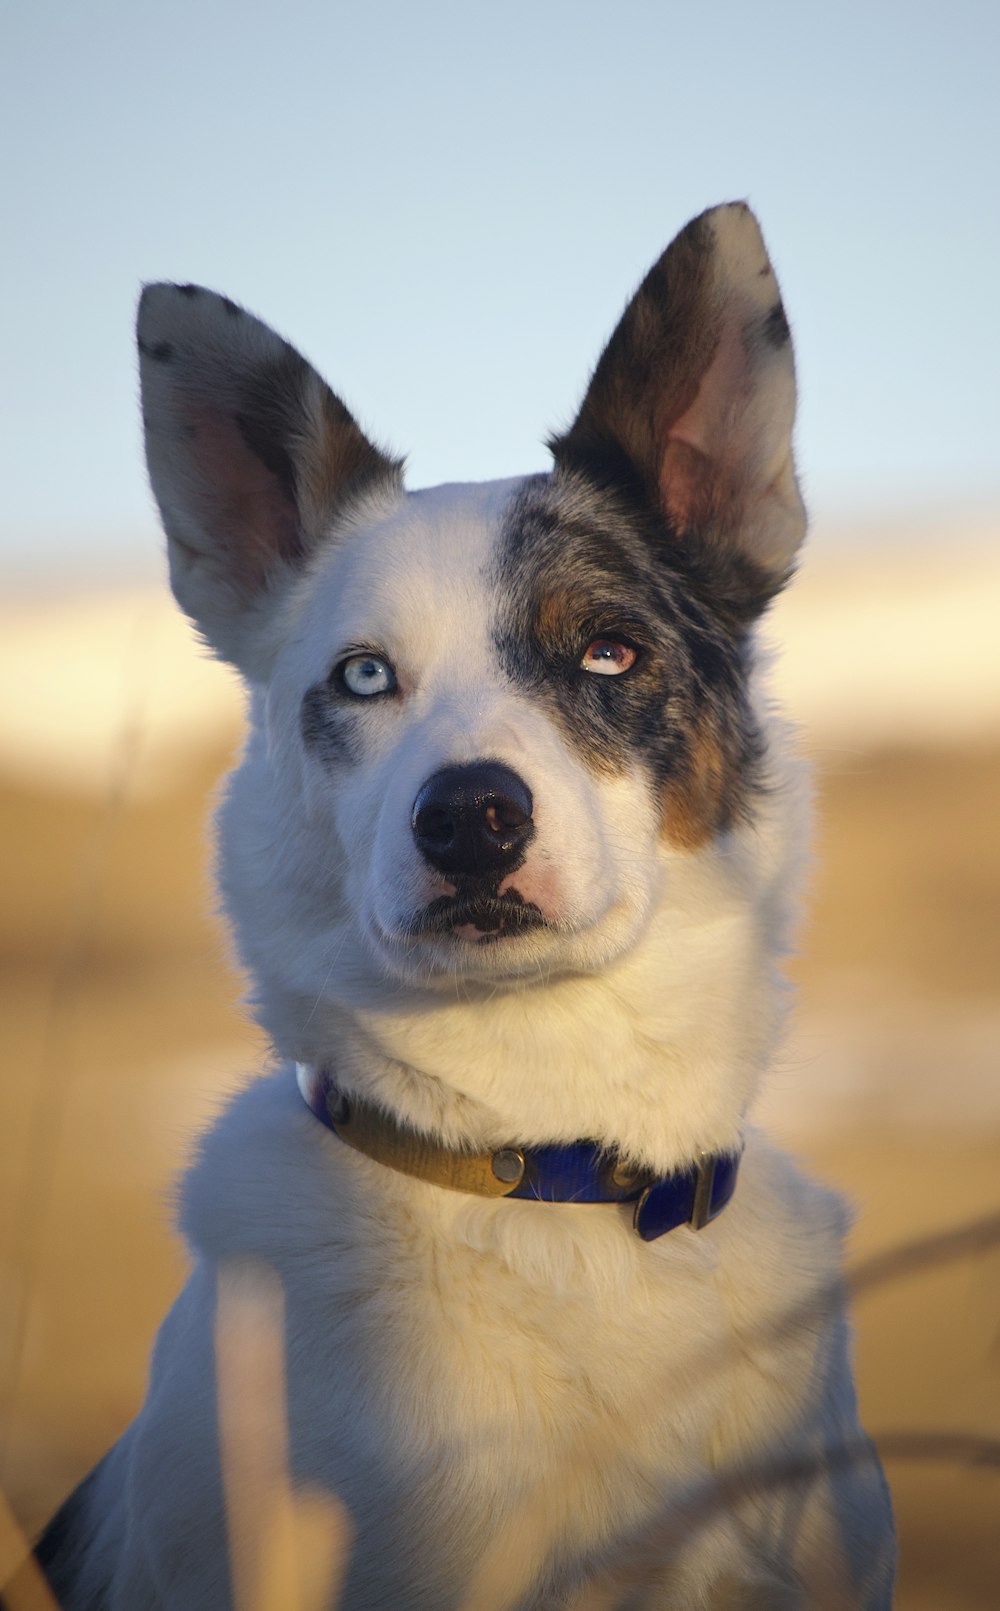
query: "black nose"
473, 821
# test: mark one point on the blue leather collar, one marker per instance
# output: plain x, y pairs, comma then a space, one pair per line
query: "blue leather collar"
575, 1172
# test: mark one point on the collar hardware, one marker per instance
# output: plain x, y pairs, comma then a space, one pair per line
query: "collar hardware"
701, 1207
572, 1172
508, 1165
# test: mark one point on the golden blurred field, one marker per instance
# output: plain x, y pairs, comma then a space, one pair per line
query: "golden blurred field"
122, 1028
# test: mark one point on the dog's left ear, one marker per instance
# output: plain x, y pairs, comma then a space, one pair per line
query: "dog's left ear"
692, 405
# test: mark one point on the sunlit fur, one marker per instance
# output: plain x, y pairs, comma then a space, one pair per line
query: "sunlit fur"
513, 1400
578, 1030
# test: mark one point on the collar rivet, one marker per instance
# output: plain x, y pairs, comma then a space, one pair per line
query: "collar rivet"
507, 1165
624, 1176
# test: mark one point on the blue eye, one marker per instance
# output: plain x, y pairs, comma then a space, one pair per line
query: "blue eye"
366, 674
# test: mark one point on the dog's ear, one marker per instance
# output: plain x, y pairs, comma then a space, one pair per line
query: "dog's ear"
692, 405
250, 455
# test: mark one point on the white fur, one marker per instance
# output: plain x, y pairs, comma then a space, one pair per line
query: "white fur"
464, 1371
520, 1405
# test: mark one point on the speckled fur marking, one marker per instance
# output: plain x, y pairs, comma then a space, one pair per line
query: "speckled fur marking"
326, 729
575, 564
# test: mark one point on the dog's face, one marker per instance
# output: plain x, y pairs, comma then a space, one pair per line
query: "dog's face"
447, 708
488, 720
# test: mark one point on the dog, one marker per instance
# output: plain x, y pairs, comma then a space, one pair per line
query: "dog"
511, 859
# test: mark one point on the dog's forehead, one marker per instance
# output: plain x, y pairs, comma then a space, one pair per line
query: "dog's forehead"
430, 556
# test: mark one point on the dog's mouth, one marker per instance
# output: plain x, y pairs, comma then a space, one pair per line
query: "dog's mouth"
479, 919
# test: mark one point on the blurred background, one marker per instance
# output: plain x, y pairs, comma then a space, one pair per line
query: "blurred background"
445, 207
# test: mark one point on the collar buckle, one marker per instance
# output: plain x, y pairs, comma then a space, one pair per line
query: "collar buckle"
701, 1203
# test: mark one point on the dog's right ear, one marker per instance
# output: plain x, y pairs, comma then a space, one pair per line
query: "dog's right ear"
251, 457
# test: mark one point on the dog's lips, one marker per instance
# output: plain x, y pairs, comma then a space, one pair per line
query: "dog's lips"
479, 919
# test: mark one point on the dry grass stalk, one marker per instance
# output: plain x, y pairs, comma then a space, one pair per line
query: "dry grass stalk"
23, 1586
286, 1548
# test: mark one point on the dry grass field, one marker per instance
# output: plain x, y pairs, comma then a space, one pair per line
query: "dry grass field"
122, 1031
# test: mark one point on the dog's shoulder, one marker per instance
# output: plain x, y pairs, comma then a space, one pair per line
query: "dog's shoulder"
780, 1248
263, 1149
779, 1202
782, 1237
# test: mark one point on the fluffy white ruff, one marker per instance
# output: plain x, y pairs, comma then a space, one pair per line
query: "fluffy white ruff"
515, 1399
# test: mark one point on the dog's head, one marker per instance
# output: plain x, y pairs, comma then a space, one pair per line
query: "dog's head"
487, 720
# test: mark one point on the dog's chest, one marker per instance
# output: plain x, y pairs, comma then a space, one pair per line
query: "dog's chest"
480, 1394
526, 1331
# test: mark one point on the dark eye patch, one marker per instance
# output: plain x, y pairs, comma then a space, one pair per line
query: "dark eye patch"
574, 565
326, 726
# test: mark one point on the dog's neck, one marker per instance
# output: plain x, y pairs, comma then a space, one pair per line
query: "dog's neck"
582, 1171
628, 1058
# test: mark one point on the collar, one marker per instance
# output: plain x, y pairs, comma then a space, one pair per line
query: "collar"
574, 1172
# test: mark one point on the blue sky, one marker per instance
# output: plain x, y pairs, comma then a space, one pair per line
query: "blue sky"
445, 206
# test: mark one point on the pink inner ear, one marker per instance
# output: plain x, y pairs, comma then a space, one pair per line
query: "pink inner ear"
721, 390
705, 444
245, 505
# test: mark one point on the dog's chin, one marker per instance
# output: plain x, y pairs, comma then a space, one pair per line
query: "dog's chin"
491, 938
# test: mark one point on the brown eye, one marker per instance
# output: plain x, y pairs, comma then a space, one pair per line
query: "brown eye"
608, 657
